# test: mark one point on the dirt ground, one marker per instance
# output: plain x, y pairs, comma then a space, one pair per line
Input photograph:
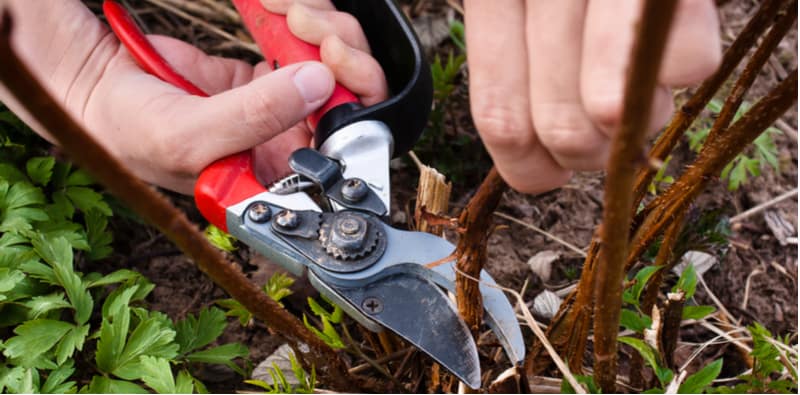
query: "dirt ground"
756, 265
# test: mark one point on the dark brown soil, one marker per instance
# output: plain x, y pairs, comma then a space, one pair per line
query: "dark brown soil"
571, 213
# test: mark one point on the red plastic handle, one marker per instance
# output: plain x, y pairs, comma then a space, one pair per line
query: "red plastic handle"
232, 179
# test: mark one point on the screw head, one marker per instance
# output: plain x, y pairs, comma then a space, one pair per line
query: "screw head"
354, 189
372, 305
259, 212
287, 219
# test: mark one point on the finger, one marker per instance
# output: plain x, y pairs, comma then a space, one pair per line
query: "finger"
271, 159
499, 95
314, 25
693, 49
249, 115
356, 70
554, 44
211, 74
282, 6
662, 109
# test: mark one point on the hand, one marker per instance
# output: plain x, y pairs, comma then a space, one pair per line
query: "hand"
547, 79
167, 136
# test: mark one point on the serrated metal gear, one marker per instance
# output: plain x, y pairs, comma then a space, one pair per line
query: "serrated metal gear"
348, 236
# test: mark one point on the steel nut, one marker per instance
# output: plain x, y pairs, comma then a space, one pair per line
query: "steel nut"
348, 233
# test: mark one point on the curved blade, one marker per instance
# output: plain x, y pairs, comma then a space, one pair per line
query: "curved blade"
419, 312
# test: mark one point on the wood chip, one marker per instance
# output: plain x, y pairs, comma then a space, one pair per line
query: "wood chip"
781, 228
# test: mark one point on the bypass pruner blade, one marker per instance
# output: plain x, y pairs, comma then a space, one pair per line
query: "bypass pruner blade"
376, 273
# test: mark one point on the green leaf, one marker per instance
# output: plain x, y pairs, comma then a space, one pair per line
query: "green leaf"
687, 282
328, 333
224, 354
586, 381
34, 338
105, 385
57, 383
643, 348
220, 238
157, 374
86, 199
634, 292
119, 276
39, 305
193, 332
19, 206
697, 312
9, 279
79, 178
72, 341
634, 321
11, 174
664, 375
40, 169
698, 382
278, 286
62, 207
334, 316
58, 253
152, 337
97, 235
184, 383
235, 309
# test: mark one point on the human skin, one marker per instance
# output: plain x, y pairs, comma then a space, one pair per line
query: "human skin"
164, 135
546, 79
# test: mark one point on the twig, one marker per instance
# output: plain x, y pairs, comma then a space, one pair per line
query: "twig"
626, 157
156, 209
737, 342
670, 332
384, 359
416, 160
747, 283
763, 206
543, 232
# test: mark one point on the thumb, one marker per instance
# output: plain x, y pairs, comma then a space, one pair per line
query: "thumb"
244, 117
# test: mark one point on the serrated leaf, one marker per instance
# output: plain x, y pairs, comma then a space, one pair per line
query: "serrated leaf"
58, 253
21, 380
62, 207
19, 206
114, 328
119, 276
193, 332
220, 238
35, 338
40, 169
42, 304
664, 375
86, 199
278, 285
11, 174
698, 382
157, 374
56, 382
97, 235
152, 337
184, 383
79, 178
9, 279
697, 312
71, 342
634, 321
69, 230
687, 282
224, 355
235, 309
39, 271
105, 385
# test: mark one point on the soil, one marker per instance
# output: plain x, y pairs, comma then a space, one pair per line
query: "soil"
755, 266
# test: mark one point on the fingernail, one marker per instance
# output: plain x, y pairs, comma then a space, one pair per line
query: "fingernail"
314, 82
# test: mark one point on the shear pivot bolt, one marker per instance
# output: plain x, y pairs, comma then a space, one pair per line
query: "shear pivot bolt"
287, 219
259, 212
372, 305
354, 189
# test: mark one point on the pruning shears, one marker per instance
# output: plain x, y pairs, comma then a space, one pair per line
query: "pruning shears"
379, 275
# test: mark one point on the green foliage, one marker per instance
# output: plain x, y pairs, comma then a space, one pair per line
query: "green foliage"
52, 218
220, 238
701, 380
687, 282
660, 179
457, 35
774, 370
328, 334
744, 165
277, 287
632, 294
281, 386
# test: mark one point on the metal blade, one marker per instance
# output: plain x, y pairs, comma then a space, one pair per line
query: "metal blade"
419, 312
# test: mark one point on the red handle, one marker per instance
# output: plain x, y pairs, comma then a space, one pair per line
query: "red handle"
232, 179
281, 48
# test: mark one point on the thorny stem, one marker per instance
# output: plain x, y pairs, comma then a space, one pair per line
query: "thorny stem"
786, 19
476, 219
626, 152
689, 111
156, 209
